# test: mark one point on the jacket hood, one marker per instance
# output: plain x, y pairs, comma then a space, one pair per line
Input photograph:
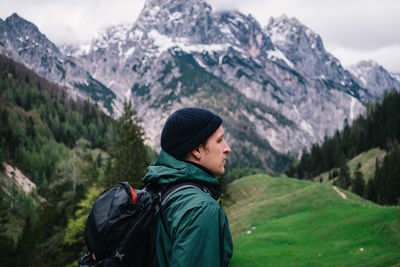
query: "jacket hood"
167, 170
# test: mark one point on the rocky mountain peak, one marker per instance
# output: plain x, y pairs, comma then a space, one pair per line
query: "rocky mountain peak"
305, 50
396, 75
175, 5
277, 86
281, 29
19, 23
367, 65
23, 42
245, 31
373, 76
178, 19
296, 41
25, 35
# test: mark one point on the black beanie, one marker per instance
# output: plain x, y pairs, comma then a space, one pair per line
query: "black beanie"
187, 128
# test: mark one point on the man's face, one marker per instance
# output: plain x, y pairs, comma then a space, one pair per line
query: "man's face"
213, 154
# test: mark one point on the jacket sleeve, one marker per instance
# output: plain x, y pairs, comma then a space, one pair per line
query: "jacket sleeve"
202, 238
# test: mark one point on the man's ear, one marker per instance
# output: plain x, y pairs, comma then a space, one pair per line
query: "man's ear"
196, 153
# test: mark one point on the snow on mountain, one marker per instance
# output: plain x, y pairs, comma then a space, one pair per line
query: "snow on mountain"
396, 76
277, 87
23, 42
305, 51
145, 63
373, 76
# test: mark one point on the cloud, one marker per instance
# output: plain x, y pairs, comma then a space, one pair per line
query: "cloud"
362, 25
350, 28
74, 20
388, 57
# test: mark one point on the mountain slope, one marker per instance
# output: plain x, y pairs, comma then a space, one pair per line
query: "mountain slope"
40, 123
308, 223
23, 42
306, 53
293, 92
367, 160
139, 62
373, 76
197, 87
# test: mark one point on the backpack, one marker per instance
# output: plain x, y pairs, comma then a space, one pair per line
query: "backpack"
120, 226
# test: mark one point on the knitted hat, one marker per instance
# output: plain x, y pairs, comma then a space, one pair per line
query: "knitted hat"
187, 128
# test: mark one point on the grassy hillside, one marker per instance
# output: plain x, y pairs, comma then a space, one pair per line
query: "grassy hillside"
366, 159
287, 222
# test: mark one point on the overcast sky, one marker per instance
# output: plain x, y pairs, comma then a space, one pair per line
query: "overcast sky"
351, 30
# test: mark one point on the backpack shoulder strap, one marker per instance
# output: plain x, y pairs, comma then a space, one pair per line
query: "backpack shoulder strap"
177, 187
164, 196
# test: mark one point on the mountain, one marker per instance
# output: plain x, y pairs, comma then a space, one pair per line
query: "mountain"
396, 76
23, 42
277, 87
306, 54
155, 62
373, 76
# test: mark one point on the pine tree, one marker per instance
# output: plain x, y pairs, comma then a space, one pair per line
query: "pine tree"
26, 244
2, 159
129, 152
371, 191
45, 183
344, 180
358, 181
7, 250
388, 182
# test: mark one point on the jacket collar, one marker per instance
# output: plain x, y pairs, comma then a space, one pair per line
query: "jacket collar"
167, 170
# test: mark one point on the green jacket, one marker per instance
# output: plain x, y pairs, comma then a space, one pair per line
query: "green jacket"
196, 222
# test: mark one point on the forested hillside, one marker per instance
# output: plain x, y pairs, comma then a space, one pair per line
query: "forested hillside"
39, 123
71, 150
380, 127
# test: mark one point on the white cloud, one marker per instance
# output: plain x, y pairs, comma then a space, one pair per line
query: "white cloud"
350, 29
73, 20
388, 57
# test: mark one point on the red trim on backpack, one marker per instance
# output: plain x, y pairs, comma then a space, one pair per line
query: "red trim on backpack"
134, 195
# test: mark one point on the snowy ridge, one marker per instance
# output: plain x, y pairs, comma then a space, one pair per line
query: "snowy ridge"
117, 34
139, 63
278, 55
164, 43
374, 77
288, 91
396, 76
24, 43
305, 50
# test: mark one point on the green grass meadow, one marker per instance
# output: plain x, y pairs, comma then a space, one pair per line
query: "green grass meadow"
366, 159
287, 222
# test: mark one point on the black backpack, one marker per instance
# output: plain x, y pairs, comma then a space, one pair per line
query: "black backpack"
120, 227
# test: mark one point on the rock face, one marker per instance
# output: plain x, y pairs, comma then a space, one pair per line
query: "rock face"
396, 76
12, 177
371, 75
23, 42
306, 54
276, 87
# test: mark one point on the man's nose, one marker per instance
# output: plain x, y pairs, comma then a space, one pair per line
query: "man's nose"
227, 149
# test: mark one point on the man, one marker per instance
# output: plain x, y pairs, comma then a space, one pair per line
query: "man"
193, 150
